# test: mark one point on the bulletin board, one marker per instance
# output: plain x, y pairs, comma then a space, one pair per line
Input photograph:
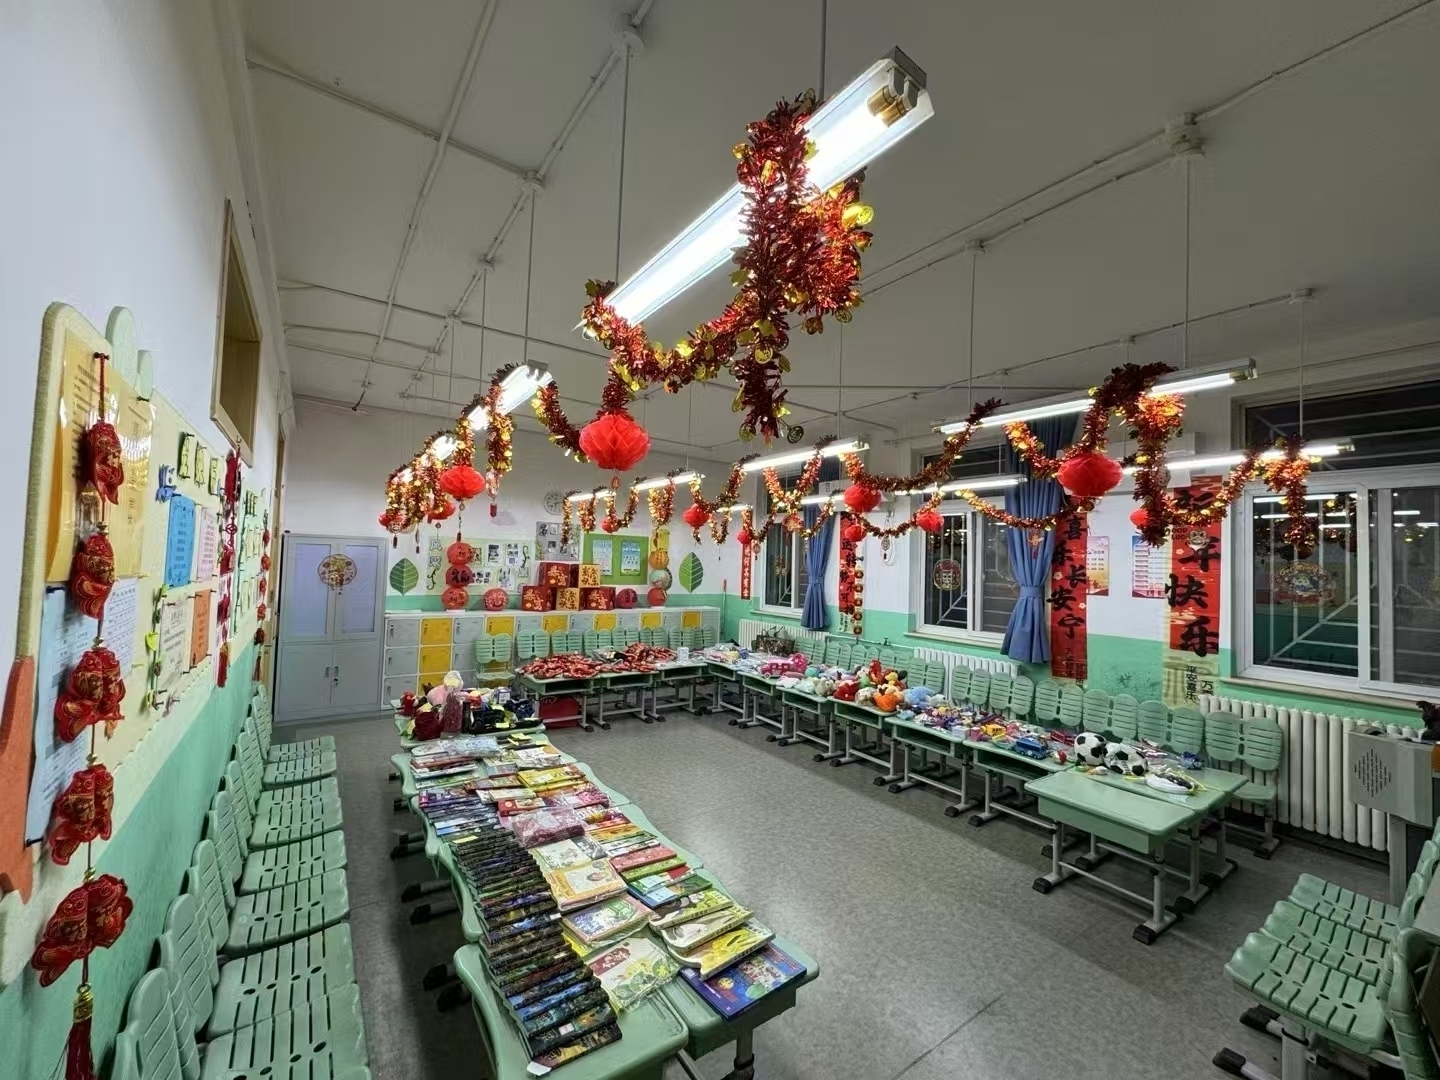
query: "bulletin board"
504, 562
151, 580
623, 559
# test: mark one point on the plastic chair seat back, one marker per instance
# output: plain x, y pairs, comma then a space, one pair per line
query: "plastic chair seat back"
862, 653
597, 639
188, 957
1124, 717
1410, 957
1095, 713
1022, 697
151, 1049
960, 678
625, 636
220, 827
1001, 686
1072, 706
1047, 702
207, 885
568, 641
1187, 731
531, 644
928, 675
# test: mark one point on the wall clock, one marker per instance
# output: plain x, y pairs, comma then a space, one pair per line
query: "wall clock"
553, 501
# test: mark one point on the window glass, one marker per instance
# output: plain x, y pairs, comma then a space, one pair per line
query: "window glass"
947, 571
1415, 586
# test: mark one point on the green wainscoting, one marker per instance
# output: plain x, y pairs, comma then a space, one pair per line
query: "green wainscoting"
150, 852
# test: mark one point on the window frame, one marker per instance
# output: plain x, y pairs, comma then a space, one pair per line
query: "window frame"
974, 579
1371, 486
797, 552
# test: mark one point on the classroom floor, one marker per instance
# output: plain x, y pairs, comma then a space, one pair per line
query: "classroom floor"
938, 960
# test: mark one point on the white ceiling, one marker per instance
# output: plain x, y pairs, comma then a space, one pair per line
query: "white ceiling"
1323, 177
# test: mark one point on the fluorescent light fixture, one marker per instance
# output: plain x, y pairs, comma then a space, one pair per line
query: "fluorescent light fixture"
1177, 382
443, 447
733, 508
586, 496
1309, 495
1335, 526
519, 387
857, 125
1405, 513
790, 457
1217, 461
661, 481
816, 500
1337, 513
1427, 524
1281, 517
987, 483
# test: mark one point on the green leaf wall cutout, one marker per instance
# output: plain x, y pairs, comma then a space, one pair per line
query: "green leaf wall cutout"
404, 576
692, 572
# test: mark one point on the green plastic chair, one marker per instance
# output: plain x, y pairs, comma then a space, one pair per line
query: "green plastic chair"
837, 653
625, 636
960, 677
1187, 730
287, 772
709, 635
569, 641
1022, 697
275, 917
268, 868
280, 825
268, 796
655, 636
1256, 745
148, 1047
863, 652
812, 648
1411, 956
492, 657
1095, 713
1155, 722
1001, 684
1072, 705
597, 639
1124, 717
979, 694
930, 675
1047, 702
530, 645
265, 729
694, 638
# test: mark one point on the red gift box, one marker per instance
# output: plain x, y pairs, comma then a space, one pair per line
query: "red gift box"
537, 598
559, 574
598, 598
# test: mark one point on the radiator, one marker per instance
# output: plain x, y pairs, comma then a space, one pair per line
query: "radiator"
751, 628
952, 660
1314, 778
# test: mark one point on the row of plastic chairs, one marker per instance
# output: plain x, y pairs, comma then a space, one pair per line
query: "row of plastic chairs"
529, 645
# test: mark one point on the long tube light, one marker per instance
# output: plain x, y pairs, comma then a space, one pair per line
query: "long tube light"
661, 481
1224, 461
873, 113
790, 457
1177, 382
586, 496
519, 387
443, 447
989, 483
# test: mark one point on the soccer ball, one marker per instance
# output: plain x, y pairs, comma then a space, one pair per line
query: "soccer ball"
1090, 749
1124, 759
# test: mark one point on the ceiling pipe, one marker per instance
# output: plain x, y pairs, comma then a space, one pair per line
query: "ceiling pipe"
271, 67
457, 99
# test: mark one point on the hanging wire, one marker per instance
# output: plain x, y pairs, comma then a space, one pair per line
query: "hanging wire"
620, 183
529, 269
824, 25
970, 348
484, 314
1185, 338
1301, 374
840, 381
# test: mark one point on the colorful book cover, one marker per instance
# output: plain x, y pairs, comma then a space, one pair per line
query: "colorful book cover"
542, 778
689, 907
570, 852
607, 919
579, 798
656, 899
594, 1040
571, 1030
659, 880
511, 807
633, 860
632, 969
720, 952
579, 886
635, 874
546, 827
685, 936
741, 985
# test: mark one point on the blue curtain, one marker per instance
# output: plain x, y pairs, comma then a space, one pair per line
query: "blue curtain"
817, 556
1026, 637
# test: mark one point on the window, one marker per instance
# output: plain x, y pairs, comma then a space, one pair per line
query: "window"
236, 384
970, 548
1362, 610
784, 568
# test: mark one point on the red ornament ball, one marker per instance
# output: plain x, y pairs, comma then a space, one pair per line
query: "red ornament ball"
609, 525
860, 499
445, 509
656, 597
496, 599
695, 516
853, 534
929, 521
459, 576
1089, 475
1140, 517
460, 554
743, 537
461, 482
626, 598
454, 598
614, 441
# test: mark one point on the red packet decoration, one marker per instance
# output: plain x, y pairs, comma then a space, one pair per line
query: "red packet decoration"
91, 917
102, 463
91, 695
92, 574
83, 812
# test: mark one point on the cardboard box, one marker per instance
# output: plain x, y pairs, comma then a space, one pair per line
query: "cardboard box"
559, 574
567, 599
589, 575
537, 598
598, 598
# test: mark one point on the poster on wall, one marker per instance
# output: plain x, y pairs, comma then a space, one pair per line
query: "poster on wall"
602, 554
207, 543
1097, 566
1069, 656
622, 559
65, 634
631, 559
200, 627
1190, 663
180, 542
175, 621
548, 547
1149, 568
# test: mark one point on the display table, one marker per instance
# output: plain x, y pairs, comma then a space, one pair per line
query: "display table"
672, 677
795, 704
910, 736
579, 689
621, 685
851, 718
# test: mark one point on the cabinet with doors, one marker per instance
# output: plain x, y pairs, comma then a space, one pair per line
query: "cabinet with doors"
331, 617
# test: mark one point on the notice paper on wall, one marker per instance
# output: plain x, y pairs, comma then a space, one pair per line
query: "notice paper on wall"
207, 543
1150, 569
603, 553
200, 627
1097, 565
122, 618
65, 634
180, 542
174, 638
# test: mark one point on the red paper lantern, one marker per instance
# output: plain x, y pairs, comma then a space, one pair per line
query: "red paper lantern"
609, 525
459, 576
454, 598
459, 554
744, 537
853, 534
860, 499
614, 441
496, 599
1140, 517
695, 516
461, 482
1089, 475
443, 511
656, 597
626, 598
929, 521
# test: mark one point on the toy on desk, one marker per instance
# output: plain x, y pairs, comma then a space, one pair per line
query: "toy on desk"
846, 691
1430, 715
1172, 780
1090, 749
1125, 759
887, 699
407, 703
1032, 746
787, 665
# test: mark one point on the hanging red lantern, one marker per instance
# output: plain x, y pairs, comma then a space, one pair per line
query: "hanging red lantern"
459, 576
454, 598
861, 499
929, 521
460, 554
1140, 518
853, 534
609, 525
695, 516
1088, 475
445, 509
614, 441
744, 537
461, 482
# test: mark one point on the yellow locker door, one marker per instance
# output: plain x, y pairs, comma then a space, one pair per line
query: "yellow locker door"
435, 631
434, 658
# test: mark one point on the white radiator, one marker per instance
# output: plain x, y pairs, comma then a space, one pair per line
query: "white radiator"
952, 660
751, 628
1314, 777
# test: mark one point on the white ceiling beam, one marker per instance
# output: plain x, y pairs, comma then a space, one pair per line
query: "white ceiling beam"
272, 67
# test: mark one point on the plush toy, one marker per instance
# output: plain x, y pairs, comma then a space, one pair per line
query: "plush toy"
887, 700
824, 687
846, 690
1124, 759
1090, 749
865, 695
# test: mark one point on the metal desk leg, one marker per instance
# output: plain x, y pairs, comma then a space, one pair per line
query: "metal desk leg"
1059, 870
744, 1056
966, 803
785, 736
900, 773
833, 753
1222, 856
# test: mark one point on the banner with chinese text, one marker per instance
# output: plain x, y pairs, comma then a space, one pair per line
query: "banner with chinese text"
1190, 661
1068, 653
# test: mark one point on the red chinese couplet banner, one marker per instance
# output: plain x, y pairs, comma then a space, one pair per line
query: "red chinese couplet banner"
745, 563
1068, 655
1192, 596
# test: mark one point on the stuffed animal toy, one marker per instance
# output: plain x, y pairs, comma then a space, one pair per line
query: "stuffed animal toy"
1124, 759
1430, 716
887, 700
865, 695
846, 691
1090, 749
824, 687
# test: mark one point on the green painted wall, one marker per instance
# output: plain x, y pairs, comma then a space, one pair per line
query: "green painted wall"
425, 602
150, 852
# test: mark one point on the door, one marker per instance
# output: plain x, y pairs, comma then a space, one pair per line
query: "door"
331, 623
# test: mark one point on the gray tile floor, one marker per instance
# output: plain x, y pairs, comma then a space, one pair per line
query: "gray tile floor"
938, 960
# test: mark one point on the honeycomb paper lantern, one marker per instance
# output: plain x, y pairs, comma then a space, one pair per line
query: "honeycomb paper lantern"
609, 525
461, 482
743, 537
454, 598
614, 441
929, 521
459, 576
695, 516
1140, 517
860, 499
853, 534
1089, 475
459, 554
656, 597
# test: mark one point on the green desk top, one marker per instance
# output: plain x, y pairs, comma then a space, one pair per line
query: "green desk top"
1048, 765
902, 725
651, 1033
1093, 798
1218, 787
